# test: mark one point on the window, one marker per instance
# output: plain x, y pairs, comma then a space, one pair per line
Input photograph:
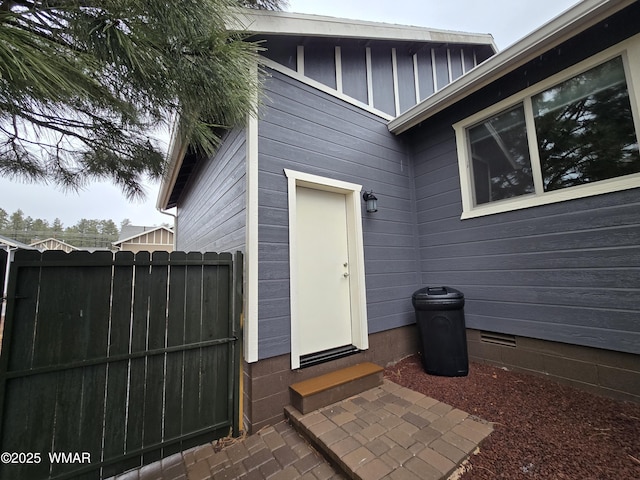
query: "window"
501, 164
585, 130
572, 136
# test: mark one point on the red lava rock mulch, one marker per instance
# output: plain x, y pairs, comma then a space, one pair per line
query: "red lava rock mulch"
542, 429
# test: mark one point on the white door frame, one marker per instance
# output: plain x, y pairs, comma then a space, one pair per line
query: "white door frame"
351, 191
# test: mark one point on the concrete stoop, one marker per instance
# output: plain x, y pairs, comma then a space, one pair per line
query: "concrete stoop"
391, 432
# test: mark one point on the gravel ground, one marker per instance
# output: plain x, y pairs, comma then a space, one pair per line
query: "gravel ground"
542, 429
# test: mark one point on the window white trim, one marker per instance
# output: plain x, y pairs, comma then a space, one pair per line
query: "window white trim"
351, 191
629, 50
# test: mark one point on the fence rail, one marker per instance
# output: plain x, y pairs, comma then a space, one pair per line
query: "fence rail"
120, 358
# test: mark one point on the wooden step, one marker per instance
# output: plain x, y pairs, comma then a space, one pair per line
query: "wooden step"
318, 392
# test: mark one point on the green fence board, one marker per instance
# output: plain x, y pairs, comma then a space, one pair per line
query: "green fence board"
173, 425
153, 402
135, 407
159, 280
68, 403
193, 299
122, 296
94, 384
140, 302
173, 400
129, 358
51, 317
22, 302
191, 390
177, 297
115, 413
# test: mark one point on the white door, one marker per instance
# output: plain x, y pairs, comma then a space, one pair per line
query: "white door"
324, 302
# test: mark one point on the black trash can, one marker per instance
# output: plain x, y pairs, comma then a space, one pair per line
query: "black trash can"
441, 326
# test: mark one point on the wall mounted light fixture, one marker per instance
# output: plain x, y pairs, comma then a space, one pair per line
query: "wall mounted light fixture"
372, 201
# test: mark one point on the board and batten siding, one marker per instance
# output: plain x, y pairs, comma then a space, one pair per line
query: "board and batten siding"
566, 272
212, 208
390, 76
303, 129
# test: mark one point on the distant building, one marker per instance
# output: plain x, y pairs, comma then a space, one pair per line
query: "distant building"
53, 244
139, 238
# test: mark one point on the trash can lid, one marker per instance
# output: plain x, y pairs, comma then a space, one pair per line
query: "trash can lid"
437, 298
437, 293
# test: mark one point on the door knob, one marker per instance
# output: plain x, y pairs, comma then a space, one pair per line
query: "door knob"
345, 274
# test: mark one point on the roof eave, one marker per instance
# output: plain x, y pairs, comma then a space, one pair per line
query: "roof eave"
288, 23
551, 34
175, 156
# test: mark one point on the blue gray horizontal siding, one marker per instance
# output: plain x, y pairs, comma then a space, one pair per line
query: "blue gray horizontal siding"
567, 272
212, 208
306, 130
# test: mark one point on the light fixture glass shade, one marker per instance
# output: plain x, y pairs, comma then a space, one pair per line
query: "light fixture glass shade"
372, 201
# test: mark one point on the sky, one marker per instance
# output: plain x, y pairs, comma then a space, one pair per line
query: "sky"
507, 20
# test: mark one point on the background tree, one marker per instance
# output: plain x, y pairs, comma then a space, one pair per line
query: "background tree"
108, 228
57, 227
85, 233
84, 84
4, 218
40, 225
16, 221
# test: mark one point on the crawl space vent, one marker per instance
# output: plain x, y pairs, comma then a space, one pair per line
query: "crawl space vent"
498, 339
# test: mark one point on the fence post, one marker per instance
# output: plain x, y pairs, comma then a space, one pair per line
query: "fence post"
236, 312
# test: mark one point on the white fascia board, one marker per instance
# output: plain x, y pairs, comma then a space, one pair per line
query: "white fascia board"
287, 23
561, 28
175, 156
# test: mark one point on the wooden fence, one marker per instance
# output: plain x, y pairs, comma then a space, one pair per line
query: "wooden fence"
110, 362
